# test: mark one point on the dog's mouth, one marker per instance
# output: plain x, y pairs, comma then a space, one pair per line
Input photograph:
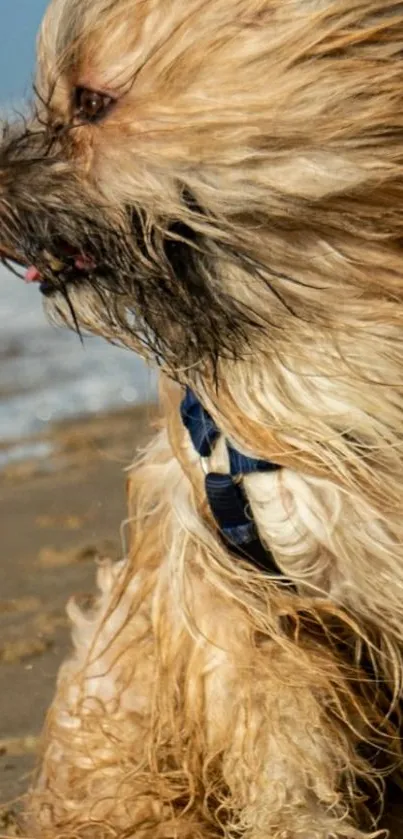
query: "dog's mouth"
51, 270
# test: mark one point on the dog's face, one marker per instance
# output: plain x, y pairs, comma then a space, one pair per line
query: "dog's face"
212, 179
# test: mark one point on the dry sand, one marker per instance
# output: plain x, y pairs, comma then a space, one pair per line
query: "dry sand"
57, 516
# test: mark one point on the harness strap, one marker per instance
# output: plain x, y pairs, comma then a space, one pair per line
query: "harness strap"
225, 493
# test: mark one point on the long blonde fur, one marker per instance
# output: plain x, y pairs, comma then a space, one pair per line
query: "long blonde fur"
203, 698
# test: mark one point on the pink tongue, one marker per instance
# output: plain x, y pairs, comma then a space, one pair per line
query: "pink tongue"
32, 275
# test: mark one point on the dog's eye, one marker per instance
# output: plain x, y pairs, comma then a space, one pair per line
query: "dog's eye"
91, 106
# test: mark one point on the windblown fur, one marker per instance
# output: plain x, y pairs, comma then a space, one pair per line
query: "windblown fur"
240, 210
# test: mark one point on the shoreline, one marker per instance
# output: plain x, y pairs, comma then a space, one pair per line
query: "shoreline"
82, 438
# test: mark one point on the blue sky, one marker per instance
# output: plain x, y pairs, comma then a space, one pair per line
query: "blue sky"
19, 23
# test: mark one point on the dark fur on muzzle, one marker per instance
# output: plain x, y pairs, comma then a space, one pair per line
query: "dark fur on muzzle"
156, 282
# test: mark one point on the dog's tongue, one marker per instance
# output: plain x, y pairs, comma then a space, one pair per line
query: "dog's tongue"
32, 275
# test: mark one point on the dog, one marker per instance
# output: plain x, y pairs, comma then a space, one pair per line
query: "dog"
217, 185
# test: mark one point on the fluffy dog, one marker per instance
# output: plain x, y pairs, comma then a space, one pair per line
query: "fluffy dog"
218, 185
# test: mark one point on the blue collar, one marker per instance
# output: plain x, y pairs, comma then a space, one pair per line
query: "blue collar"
225, 494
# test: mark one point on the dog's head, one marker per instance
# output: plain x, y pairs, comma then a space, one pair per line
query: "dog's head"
212, 180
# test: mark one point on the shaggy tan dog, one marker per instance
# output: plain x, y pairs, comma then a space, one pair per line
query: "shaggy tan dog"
218, 184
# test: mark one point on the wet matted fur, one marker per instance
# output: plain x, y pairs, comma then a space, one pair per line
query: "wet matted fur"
217, 184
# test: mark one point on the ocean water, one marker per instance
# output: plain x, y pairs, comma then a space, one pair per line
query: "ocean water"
46, 374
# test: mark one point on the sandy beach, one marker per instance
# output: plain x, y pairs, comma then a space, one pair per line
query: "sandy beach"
59, 515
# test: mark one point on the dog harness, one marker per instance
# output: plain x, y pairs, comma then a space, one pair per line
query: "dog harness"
225, 493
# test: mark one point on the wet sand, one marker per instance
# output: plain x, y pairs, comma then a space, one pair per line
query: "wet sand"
58, 515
